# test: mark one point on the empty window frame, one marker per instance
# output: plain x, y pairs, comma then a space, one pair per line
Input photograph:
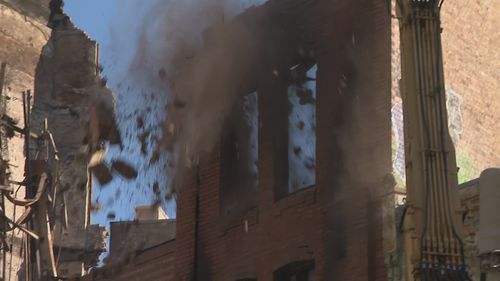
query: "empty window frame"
238, 159
295, 130
296, 271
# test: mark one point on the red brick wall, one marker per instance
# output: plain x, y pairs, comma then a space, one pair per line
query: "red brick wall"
154, 264
472, 69
338, 222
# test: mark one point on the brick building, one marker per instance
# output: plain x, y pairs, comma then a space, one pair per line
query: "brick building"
330, 228
241, 223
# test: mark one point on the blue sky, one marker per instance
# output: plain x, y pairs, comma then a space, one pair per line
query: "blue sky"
112, 23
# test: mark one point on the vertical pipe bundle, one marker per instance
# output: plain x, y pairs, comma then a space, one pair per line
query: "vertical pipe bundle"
433, 235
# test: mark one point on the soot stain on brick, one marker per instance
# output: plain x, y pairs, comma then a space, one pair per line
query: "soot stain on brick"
203, 269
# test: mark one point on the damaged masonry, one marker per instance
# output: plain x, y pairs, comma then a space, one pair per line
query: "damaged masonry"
301, 140
63, 126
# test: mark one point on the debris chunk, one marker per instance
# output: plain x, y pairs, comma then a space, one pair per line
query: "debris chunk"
95, 207
156, 188
124, 169
155, 157
297, 150
111, 216
305, 96
99, 168
140, 122
309, 163
144, 144
300, 125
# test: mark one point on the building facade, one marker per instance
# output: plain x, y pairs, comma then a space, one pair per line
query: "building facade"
332, 71
325, 227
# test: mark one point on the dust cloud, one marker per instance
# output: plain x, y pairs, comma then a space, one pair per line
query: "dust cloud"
173, 55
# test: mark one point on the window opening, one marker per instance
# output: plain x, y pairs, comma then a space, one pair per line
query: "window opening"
239, 156
295, 131
296, 271
302, 128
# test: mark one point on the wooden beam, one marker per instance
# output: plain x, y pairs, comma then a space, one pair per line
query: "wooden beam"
3, 71
45, 243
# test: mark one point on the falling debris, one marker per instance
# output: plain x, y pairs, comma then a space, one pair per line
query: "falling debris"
111, 216
144, 143
124, 169
305, 96
300, 125
169, 196
95, 207
156, 189
155, 157
99, 168
297, 150
140, 122
309, 164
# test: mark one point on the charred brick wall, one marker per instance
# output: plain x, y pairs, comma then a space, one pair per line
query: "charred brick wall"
338, 222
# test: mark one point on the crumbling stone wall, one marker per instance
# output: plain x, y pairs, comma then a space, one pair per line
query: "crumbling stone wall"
78, 107
33, 9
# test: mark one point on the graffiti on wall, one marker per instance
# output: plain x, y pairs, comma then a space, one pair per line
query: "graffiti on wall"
455, 125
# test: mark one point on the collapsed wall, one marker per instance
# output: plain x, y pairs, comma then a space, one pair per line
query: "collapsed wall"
74, 102
71, 104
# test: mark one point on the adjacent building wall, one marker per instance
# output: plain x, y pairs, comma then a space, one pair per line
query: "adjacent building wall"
22, 36
471, 62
